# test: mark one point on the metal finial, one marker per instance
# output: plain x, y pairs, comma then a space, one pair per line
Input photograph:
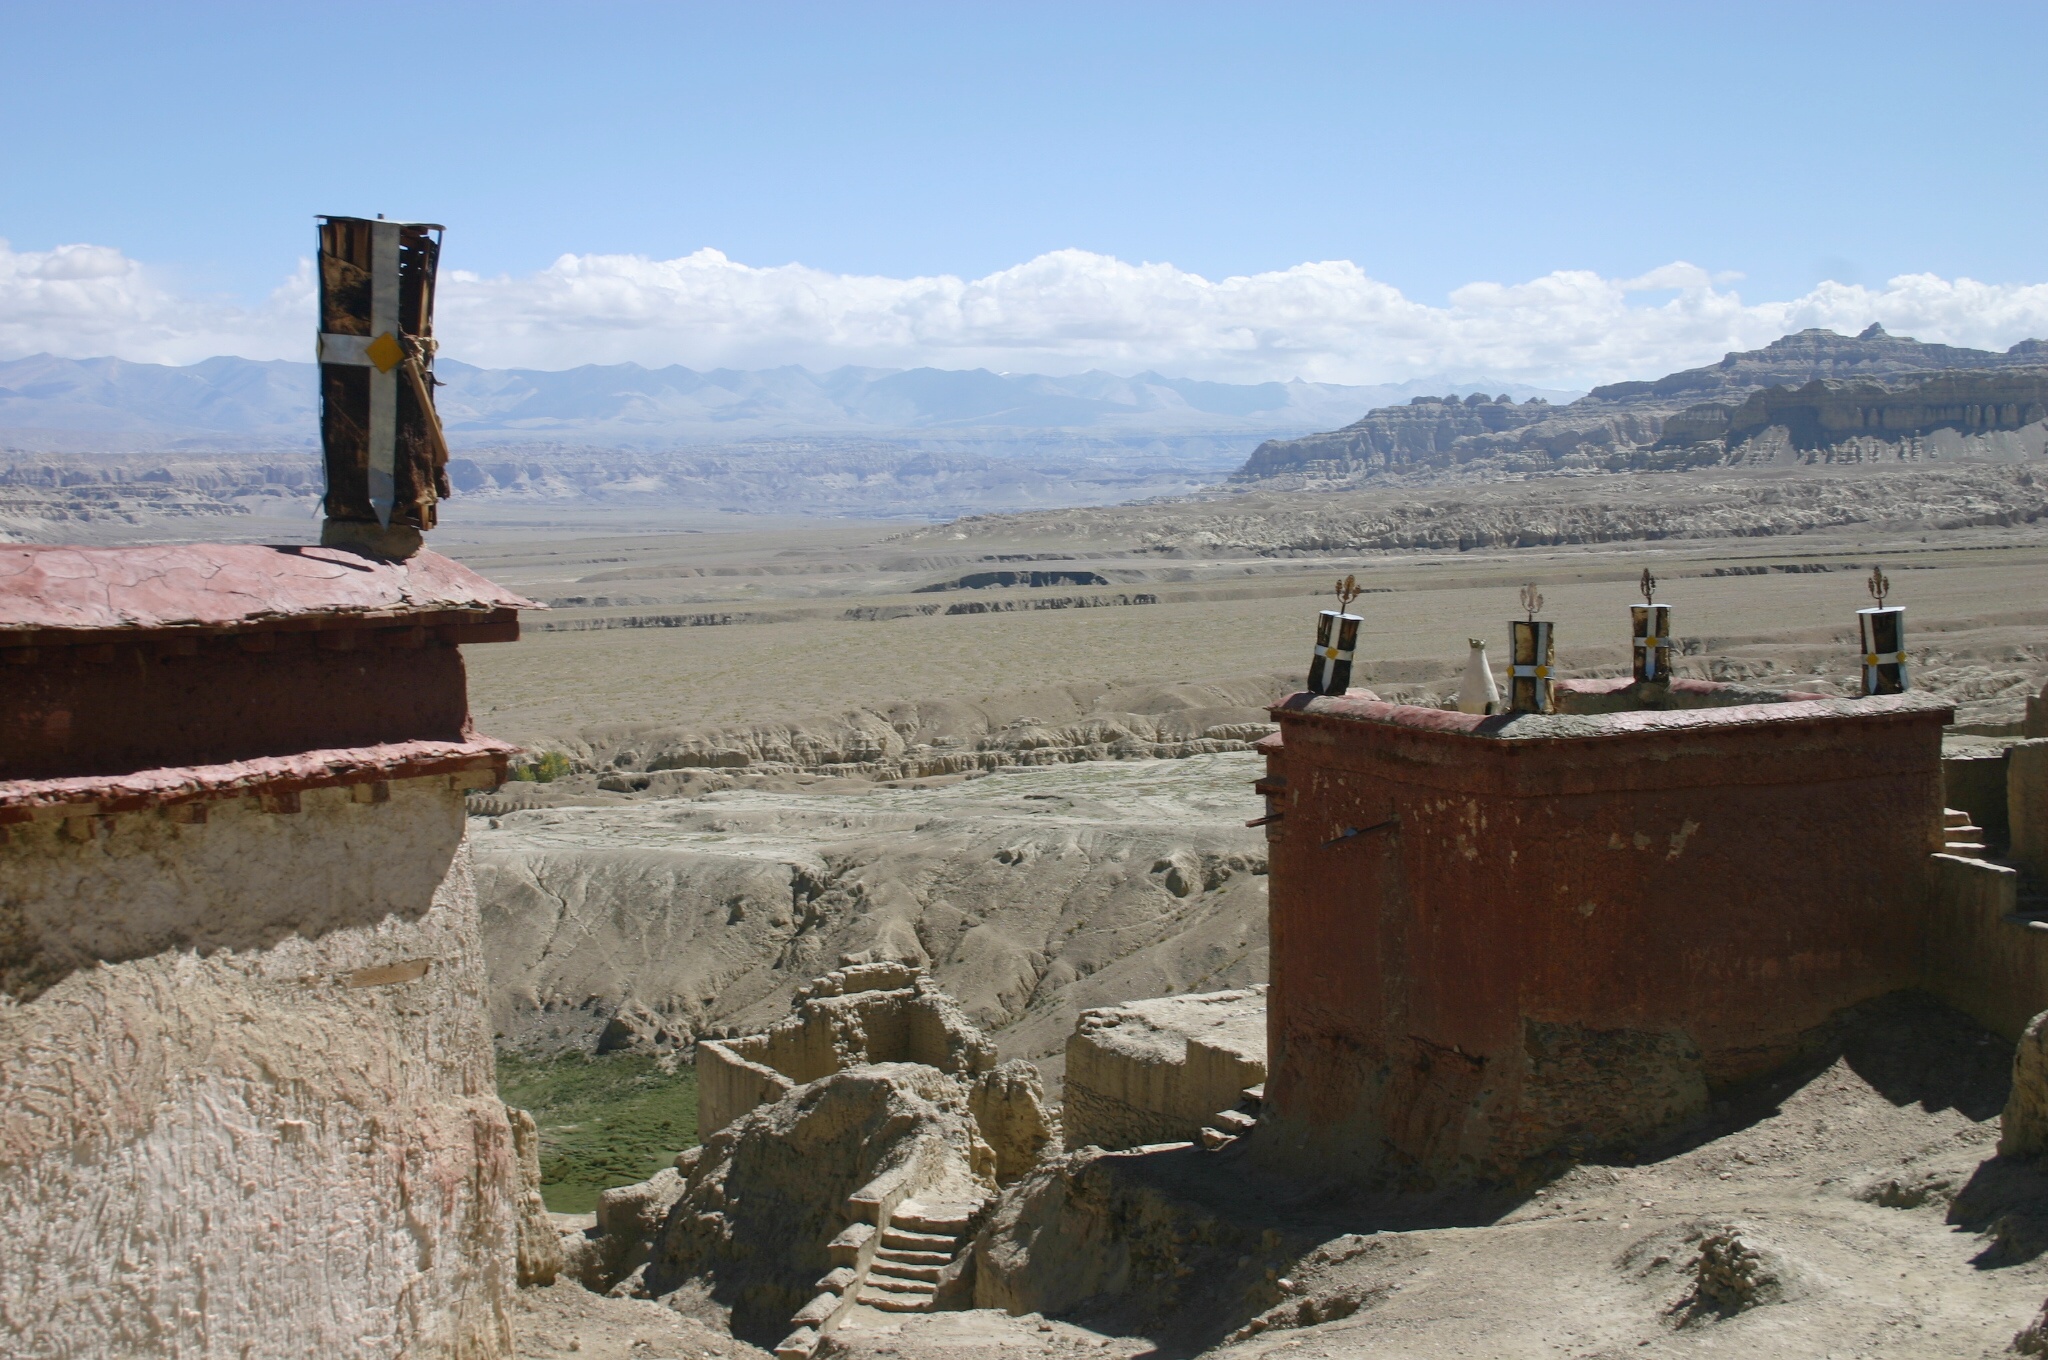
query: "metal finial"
1648, 585
1532, 600
1347, 591
1880, 585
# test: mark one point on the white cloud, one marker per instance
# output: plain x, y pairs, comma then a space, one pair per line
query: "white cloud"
1061, 312
83, 301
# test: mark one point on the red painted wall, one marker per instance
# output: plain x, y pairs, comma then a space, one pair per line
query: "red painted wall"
138, 703
1571, 936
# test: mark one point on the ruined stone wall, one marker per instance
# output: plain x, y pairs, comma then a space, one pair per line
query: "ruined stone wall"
2026, 805
1156, 1071
1482, 929
247, 1105
1977, 956
864, 1013
731, 1080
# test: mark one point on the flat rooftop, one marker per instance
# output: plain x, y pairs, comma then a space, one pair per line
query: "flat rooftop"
1591, 709
47, 591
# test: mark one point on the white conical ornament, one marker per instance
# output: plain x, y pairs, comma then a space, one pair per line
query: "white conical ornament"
1476, 692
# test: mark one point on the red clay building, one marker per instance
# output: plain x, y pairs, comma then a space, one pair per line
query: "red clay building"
1497, 937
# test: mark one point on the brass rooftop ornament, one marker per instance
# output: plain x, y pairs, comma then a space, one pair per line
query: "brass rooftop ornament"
1880, 585
1648, 585
1532, 600
1347, 590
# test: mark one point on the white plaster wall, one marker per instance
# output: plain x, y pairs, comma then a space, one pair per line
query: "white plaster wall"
266, 1129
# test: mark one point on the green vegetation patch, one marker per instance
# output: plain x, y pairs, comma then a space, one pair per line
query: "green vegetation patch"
604, 1121
545, 768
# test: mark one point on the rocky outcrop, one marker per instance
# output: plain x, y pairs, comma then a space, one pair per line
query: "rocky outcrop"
540, 1242
1110, 1237
1619, 426
2023, 1131
1158, 1071
1009, 1108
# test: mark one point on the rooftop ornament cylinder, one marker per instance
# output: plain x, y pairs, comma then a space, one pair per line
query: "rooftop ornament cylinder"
1532, 656
1884, 649
1650, 629
386, 459
1336, 642
1883, 631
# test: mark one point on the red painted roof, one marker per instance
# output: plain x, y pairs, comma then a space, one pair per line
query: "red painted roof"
225, 585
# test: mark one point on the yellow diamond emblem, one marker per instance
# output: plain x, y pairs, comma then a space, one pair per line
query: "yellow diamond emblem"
385, 352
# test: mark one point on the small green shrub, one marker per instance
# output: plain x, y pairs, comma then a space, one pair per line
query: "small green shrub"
545, 768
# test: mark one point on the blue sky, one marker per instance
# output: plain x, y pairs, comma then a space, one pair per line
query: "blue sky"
1774, 148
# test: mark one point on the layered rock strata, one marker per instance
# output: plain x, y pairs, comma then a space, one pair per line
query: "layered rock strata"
1619, 426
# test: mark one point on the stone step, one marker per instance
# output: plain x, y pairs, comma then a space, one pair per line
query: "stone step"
1232, 1121
1963, 833
1966, 849
798, 1345
1216, 1140
1955, 817
839, 1279
936, 1217
903, 1270
844, 1250
896, 1303
901, 1256
920, 1241
893, 1285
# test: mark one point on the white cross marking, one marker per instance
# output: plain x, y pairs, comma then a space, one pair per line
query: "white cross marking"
353, 350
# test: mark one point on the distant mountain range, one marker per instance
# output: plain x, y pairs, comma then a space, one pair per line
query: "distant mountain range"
48, 404
1864, 398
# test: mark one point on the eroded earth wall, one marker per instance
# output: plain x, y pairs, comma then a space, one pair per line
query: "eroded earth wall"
1156, 1071
247, 1105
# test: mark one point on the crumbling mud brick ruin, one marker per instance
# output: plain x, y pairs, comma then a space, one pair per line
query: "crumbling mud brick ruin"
1496, 938
849, 1152
1164, 1070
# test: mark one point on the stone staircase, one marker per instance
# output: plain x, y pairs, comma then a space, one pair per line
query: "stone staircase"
1227, 1126
922, 1239
1960, 837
